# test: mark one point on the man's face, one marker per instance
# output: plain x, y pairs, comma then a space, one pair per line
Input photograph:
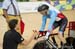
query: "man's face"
44, 12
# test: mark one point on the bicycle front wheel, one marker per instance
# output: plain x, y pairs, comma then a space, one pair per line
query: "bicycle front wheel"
41, 45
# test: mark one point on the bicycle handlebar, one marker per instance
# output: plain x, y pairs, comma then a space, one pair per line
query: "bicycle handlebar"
43, 33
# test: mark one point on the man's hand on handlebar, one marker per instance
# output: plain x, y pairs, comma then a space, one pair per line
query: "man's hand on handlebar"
39, 33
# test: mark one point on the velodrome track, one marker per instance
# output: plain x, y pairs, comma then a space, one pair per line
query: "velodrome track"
32, 21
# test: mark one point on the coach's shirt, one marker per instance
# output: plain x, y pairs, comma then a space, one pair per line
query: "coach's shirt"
8, 6
11, 39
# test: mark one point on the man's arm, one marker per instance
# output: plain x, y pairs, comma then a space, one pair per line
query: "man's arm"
44, 19
5, 13
53, 18
26, 42
19, 39
5, 6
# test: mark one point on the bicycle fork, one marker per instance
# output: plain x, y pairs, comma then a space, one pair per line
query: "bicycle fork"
49, 42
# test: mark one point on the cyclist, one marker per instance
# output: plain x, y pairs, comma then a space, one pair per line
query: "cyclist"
56, 19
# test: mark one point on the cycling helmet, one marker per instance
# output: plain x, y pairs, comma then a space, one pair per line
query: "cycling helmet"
43, 7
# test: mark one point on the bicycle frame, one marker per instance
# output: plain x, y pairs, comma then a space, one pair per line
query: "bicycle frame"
50, 43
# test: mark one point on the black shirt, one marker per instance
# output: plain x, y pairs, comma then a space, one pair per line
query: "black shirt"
11, 39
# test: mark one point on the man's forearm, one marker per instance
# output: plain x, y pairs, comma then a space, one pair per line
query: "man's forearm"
5, 13
26, 42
